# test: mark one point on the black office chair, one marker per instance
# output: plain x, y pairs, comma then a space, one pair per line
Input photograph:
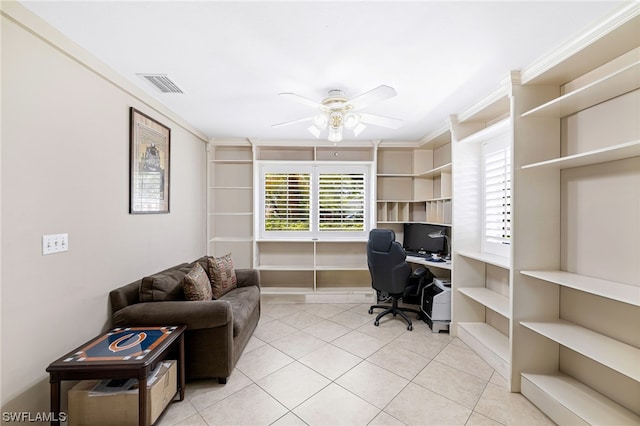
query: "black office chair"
389, 272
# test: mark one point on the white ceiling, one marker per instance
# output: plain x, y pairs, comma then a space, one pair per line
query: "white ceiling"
232, 58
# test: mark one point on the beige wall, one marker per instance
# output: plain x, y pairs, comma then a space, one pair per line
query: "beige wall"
64, 169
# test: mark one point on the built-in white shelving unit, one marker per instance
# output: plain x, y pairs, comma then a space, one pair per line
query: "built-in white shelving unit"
308, 269
414, 186
558, 316
576, 304
230, 202
480, 280
414, 182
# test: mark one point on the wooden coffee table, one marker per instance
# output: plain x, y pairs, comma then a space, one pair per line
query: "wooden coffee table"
122, 353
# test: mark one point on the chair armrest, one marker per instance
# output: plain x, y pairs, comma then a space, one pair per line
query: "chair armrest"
193, 314
247, 277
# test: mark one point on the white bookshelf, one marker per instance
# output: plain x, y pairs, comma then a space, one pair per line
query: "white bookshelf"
230, 202
480, 280
575, 308
414, 181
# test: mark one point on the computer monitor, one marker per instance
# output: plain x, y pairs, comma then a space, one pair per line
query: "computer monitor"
416, 238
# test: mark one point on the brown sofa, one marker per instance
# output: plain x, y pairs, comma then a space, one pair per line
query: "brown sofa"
217, 330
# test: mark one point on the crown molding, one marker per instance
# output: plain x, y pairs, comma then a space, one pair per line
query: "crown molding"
398, 144
230, 142
483, 104
438, 136
581, 42
307, 143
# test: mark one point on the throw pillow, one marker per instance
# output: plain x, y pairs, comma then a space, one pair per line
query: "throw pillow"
223, 276
196, 284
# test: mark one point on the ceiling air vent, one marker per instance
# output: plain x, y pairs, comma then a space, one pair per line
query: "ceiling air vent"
162, 83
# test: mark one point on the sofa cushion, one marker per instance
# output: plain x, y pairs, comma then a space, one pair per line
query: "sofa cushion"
223, 275
244, 301
196, 284
164, 286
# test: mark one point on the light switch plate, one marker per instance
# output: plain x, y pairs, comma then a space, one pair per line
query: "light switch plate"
55, 243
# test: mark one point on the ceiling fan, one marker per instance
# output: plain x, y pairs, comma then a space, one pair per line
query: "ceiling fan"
336, 111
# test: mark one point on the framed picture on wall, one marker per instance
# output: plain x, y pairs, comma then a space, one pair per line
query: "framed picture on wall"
149, 164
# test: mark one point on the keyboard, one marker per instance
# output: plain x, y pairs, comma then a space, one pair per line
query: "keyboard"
416, 254
426, 256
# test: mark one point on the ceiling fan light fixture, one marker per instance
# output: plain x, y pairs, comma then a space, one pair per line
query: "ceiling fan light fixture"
335, 134
320, 121
351, 120
314, 131
336, 112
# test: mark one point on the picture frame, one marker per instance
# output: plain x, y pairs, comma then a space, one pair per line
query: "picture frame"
149, 164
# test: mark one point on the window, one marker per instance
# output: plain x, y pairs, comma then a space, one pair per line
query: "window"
287, 201
314, 200
341, 202
497, 196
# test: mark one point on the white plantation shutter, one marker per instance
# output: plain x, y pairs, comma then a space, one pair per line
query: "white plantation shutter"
287, 202
341, 202
497, 197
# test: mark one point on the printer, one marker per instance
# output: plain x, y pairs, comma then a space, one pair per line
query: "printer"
436, 301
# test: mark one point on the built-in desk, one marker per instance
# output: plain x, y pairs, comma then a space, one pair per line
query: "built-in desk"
422, 261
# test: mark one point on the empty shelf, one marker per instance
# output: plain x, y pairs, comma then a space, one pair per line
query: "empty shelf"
610, 86
612, 353
613, 153
568, 401
610, 289
501, 261
488, 298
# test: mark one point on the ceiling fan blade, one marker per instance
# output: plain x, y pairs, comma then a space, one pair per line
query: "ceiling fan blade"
378, 120
302, 100
286, 123
378, 94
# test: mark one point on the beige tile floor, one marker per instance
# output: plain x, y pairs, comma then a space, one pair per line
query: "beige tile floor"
327, 364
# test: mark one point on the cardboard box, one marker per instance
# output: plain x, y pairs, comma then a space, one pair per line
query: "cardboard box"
120, 409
